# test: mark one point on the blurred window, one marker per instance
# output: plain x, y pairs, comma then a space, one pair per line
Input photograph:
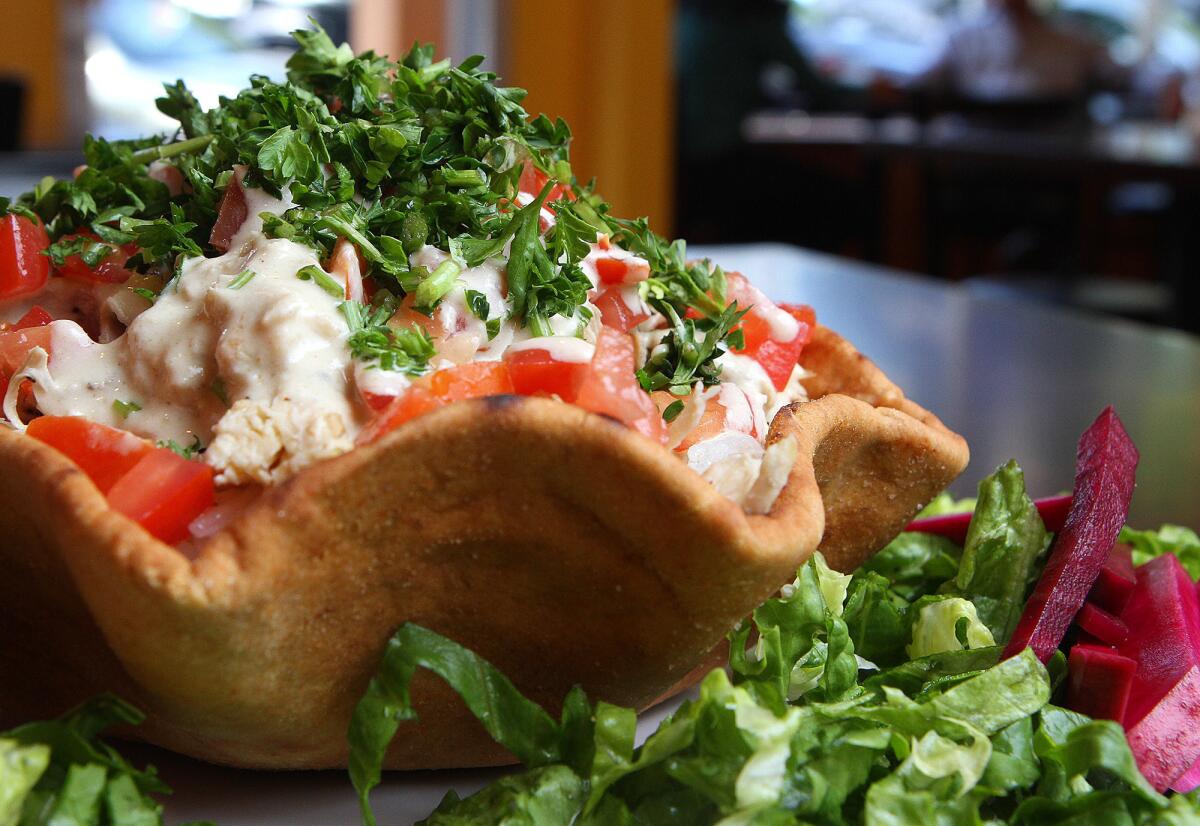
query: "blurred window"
857, 40
134, 46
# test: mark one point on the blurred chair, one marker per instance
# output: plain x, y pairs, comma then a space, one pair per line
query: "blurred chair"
12, 113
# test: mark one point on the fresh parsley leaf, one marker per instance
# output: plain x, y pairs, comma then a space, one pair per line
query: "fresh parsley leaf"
403, 349
478, 303
690, 351
671, 411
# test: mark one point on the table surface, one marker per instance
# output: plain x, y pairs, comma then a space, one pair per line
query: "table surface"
1018, 380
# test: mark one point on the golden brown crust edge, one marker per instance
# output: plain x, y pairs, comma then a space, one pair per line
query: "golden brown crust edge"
559, 545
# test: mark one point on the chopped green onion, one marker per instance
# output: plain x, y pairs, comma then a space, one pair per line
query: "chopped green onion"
434, 288
243, 278
672, 411
322, 279
123, 409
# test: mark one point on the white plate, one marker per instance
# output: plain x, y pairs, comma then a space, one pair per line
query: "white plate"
235, 797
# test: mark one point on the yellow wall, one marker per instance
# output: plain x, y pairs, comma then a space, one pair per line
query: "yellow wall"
30, 43
607, 69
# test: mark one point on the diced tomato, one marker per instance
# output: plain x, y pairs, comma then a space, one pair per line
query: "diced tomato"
465, 381
533, 179
23, 268
804, 314
231, 215
471, 381
16, 344
111, 270
416, 401
375, 401
536, 373
163, 493
35, 317
622, 270
611, 270
615, 313
611, 388
104, 453
778, 358
158, 489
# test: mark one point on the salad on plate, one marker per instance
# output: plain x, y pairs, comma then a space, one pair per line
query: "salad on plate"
356, 348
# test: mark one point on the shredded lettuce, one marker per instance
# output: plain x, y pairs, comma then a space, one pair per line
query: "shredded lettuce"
947, 624
60, 773
1173, 539
877, 697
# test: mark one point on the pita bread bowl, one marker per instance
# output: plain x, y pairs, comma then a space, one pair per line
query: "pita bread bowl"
561, 546
316, 423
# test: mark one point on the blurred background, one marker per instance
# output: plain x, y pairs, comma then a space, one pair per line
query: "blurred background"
1043, 149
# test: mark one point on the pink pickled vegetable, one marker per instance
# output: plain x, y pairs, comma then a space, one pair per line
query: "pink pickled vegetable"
1104, 471
1099, 682
1189, 780
1166, 742
1053, 511
1115, 583
1163, 716
1102, 625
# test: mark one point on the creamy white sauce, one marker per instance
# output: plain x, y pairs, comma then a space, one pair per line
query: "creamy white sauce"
263, 376
204, 346
561, 348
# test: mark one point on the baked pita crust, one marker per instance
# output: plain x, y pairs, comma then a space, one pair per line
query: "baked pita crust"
556, 543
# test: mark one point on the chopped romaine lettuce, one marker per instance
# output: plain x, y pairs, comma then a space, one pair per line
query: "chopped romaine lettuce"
1169, 539
823, 716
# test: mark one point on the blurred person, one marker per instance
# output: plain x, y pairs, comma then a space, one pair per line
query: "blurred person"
1014, 54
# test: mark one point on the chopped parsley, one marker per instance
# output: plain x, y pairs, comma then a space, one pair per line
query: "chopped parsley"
123, 409
189, 452
372, 339
689, 353
392, 156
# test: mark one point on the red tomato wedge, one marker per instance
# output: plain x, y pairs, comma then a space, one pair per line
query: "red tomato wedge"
466, 381
35, 317
104, 453
15, 346
538, 373
416, 401
612, 389
615, 313
163, 493
158, 489
533, 179
471, 381
111, 270
778, 358
23, 268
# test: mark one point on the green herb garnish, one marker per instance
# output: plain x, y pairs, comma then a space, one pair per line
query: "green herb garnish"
322, 279
241, 279
123, 409
405, 350
189, 452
